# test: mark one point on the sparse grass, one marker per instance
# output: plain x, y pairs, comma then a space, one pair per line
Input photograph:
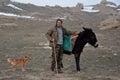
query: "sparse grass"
28, 39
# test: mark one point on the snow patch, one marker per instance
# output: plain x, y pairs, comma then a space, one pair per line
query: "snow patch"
15, 7
111, 6
89, 9
10, 14
118, 9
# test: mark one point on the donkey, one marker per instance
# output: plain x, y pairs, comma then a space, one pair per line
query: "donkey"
84, 37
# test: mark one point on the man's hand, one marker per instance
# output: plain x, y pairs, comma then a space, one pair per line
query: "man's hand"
52, 40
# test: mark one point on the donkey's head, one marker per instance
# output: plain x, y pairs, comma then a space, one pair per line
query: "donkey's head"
90, 37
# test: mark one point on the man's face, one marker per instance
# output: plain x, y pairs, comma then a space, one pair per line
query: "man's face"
59, 23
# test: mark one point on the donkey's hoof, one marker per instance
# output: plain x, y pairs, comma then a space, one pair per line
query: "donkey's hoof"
78, 70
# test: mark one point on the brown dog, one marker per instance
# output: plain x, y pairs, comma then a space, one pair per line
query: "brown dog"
21, 61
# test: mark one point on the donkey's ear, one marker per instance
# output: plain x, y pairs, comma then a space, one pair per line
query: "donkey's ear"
91, 29
87, 29
84, 28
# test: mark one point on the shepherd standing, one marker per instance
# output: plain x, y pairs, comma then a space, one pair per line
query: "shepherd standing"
56, 36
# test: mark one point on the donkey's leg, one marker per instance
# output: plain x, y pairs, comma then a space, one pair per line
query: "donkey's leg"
77, 60
62, 65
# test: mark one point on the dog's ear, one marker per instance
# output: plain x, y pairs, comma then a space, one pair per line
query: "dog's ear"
26, 56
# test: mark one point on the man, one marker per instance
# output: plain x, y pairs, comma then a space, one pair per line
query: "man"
56, 36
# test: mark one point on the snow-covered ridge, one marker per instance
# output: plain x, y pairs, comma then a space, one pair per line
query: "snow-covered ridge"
89, 9
10, 14
15, 7
111, 5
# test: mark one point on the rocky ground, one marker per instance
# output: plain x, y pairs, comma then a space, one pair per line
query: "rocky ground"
23, 33
20, 37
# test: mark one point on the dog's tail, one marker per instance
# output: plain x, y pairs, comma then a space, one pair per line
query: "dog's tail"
9, 60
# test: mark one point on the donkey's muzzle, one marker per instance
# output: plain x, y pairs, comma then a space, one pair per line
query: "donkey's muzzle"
96, 45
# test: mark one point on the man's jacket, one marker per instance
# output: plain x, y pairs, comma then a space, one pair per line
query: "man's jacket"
53, 34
